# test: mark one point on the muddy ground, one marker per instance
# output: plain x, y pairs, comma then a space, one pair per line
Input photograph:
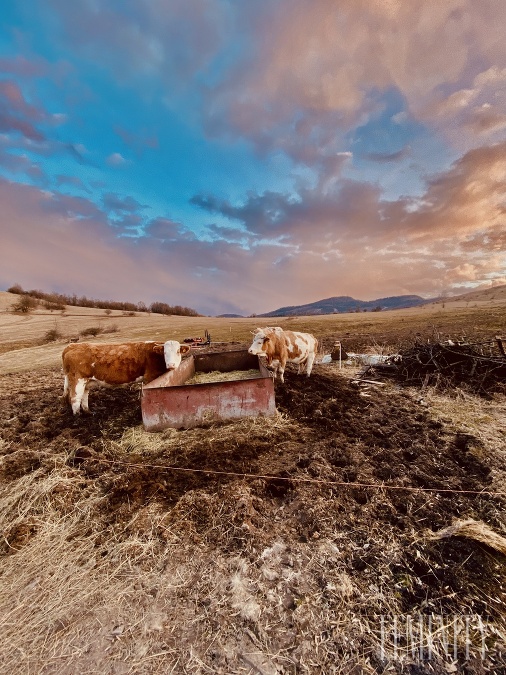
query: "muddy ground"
331, 530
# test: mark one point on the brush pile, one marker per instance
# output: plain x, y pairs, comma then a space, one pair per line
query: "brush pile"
477, 366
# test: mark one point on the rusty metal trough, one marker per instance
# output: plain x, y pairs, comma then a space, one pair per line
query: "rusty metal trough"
169, 402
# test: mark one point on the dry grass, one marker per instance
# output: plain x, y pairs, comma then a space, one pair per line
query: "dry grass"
137, 440
155, 594
472, 529
378, 329
215, 581
480, 419
141, 599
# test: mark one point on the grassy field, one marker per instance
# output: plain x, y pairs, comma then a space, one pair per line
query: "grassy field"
297, 544
21, 336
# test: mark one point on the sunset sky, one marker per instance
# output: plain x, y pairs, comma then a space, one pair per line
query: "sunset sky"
237, 156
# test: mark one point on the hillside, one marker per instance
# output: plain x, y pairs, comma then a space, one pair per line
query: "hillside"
23, 344
345, 303
485, 294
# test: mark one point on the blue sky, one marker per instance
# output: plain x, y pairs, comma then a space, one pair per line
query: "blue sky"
237, 157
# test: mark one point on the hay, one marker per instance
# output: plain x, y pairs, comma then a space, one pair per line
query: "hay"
251, 429
220, 376
473, 529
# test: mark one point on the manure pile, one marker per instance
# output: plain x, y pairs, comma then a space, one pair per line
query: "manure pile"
265, 545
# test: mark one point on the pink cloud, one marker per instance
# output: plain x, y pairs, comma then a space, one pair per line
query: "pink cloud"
16, 114
23, 67
314, 68
344, 242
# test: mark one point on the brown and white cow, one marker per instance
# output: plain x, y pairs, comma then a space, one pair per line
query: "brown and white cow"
89, 364
281, 346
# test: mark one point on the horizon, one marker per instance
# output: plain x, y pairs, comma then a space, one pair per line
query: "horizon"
230, 158
433, 299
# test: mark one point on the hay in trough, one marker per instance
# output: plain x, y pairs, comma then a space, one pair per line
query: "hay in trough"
220, 376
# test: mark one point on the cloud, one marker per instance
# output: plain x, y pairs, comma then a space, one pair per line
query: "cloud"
71, 180
290, 78
22, 67
145, 39
115, 202
478, 111
116, 159
382, 157
139, 141
322, 69
164, 229
354, 241
16, 114
348, 242
15, 163
78, 152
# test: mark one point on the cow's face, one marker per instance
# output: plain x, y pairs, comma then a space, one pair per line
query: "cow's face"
260, 343
172, 352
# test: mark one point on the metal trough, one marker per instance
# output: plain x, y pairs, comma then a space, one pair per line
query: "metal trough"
169, 402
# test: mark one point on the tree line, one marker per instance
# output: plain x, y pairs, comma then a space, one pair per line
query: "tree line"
58, 301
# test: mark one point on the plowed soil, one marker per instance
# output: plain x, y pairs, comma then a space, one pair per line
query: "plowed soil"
366, 475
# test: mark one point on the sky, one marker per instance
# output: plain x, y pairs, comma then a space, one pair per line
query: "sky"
236, 156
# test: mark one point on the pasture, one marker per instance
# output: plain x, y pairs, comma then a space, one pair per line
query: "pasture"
283, 545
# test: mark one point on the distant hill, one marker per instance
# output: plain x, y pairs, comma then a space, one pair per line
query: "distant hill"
230, 316
484, 294
344, 303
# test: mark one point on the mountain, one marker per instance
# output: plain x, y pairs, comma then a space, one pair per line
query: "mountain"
344, 303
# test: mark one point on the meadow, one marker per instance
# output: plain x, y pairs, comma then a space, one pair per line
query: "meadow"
300, 543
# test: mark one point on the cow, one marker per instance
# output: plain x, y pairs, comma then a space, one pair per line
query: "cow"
89, 364
281, 346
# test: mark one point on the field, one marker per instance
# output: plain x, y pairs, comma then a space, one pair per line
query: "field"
305, 543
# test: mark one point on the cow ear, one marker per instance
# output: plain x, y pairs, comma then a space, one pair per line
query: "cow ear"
183, 349
158, 348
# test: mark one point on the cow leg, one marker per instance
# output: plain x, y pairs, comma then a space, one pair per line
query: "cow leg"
281, 370
310, 360
77, 390
84, 400
65, 395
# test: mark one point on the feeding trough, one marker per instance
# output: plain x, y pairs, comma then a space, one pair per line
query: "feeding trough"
173, 401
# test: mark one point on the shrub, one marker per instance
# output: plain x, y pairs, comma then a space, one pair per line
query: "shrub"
93, 331
25, 304
58, 306
129, 314
113, 328
107, 311
52, 336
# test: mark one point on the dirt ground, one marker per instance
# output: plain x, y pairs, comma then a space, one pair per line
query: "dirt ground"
113, 561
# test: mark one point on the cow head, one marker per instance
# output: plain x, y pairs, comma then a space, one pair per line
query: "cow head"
261, 340
172, 352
